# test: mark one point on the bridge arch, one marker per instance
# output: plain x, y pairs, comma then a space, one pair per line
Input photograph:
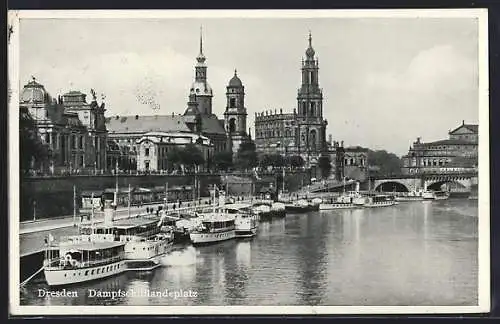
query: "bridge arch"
438, 184
393, 185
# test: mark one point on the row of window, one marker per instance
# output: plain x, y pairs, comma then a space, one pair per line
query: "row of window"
97, 271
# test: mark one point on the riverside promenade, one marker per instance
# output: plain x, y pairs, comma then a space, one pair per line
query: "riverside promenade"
33, 233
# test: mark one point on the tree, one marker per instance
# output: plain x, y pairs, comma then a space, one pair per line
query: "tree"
325, 165
223, 160
191, 156
387, 163
173, 158
296, 161
30, 143
246, 156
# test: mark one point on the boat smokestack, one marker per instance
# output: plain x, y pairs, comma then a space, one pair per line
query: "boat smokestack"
357, 186
109, 213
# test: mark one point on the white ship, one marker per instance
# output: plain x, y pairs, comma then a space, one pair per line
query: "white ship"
379, 201
216, 226
246, 221
344, 201
84, 261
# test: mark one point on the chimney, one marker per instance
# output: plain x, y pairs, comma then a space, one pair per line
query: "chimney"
463, 122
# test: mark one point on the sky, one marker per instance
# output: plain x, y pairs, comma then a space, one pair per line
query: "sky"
385, 81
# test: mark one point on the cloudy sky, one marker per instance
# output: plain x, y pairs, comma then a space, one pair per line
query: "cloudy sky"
385, 80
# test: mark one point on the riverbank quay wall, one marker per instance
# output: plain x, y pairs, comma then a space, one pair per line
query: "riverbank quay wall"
46, 197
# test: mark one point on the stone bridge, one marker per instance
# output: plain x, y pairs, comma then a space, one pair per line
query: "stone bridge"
462, 181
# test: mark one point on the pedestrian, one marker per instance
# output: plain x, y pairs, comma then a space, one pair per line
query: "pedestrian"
147, 210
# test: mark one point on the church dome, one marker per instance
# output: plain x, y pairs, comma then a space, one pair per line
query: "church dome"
235, 81
199, 88
33, 92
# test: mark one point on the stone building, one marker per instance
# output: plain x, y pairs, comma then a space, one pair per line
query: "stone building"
302, 132
356, 163
73, 129
153, 148
457, 153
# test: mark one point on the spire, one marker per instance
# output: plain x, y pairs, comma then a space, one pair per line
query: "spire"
201, 40
201, 57
235, 72
310, 51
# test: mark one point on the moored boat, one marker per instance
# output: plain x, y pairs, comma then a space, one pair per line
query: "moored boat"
379, 201
84, 261
215, 227
300, 206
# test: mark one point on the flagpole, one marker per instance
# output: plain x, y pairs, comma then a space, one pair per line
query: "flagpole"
92, 213
74, 205
129, 197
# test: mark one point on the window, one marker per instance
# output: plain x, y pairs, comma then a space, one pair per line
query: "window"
146, 152
232, 103
87, 273
82, 162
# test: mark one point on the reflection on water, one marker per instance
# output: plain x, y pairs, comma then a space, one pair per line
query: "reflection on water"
415, 253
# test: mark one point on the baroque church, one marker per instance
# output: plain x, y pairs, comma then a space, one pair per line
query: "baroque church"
145, 140
302, 132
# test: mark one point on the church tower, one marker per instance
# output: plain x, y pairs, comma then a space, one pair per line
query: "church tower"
200, 91
235, 116
311, 134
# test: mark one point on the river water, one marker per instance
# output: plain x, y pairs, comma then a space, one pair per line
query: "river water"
414, 253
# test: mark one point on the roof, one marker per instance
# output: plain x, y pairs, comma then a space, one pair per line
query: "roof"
91, 246
447, 142
235, 82
174, 138
212, 125
355, 149
135, 222
143, 124
472, 127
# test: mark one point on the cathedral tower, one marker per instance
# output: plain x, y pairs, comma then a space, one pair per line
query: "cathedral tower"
235, 116
310, 137
200, 91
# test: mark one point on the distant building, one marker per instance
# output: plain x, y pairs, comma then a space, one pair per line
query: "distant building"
73, 129
356, 163
153, 148
302, 132
457, 153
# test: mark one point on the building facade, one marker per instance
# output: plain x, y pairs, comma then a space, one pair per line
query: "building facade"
302, 132
153, 148
73, 129
457, 153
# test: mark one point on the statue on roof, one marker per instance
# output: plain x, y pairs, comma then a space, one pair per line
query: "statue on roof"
92, 91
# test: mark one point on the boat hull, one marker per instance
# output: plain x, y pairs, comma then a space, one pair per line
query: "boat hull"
246, 233
301, 209
207, 238
380, 204
63, 277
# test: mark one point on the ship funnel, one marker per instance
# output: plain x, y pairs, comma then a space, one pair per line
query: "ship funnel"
357, 186
109, 213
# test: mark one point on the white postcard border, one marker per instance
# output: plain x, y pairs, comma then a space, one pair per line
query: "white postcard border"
484, 295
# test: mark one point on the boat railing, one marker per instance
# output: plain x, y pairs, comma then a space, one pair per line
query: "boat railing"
85, 238
60, 263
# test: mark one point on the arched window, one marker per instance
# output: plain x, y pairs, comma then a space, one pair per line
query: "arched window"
312, 138
304, 108
232, 125
232, 103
